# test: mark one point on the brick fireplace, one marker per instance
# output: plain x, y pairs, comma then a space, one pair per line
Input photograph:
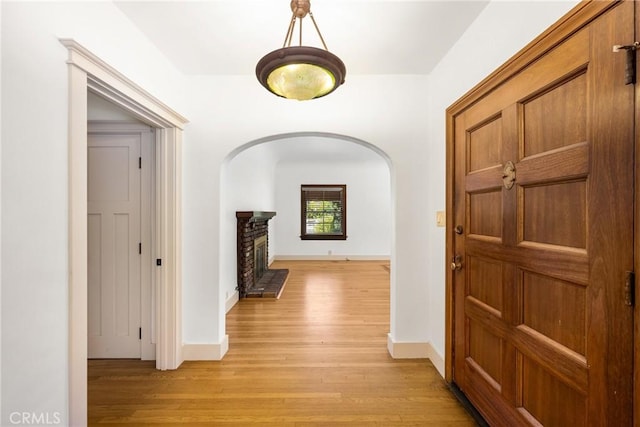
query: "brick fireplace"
255, 279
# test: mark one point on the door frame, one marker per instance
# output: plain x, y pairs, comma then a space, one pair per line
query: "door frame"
578, 17
636, 240
87, 72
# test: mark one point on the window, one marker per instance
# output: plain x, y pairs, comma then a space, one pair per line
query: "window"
324, 212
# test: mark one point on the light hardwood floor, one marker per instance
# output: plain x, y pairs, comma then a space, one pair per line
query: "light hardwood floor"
315, 357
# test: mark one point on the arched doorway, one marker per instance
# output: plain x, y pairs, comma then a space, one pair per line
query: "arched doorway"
266, 174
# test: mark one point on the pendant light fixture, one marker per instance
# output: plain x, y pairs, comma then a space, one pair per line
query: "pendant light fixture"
300, 72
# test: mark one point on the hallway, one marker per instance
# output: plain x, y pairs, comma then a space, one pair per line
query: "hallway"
315, 357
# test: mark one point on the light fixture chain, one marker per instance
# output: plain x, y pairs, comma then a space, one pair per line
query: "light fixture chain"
300, 34
318, 30
289, 36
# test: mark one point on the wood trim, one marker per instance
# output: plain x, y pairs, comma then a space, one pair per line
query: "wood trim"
112, 126
86, 71
169, 249
206, 351
117, 88
449, 245
569, 24
78, 269
332, 258
232, 301
408, 350
636, 246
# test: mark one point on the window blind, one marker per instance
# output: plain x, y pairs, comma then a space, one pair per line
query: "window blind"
323, 212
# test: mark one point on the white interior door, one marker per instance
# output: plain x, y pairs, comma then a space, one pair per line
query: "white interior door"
114, 235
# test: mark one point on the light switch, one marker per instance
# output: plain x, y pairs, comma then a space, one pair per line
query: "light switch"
440, 219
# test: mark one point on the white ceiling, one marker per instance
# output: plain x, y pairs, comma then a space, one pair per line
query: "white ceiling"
228, 37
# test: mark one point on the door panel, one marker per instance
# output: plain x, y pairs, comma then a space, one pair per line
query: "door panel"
541, 332
113, 235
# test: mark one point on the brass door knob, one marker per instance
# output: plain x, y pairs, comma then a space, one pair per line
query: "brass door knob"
456, 263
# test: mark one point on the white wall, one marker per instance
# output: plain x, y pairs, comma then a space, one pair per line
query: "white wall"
227, 112
246, 184
501, 30
368, 209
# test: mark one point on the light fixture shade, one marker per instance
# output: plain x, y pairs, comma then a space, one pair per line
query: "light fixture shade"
300, 72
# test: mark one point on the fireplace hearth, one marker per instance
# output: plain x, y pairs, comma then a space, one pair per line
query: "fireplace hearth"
255, 278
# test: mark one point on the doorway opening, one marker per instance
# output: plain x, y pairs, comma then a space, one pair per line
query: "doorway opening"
279, 164
89, 73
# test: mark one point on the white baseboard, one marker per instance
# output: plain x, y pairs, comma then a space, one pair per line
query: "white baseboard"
206, 351
416, 350
437, 360
332, 258
231, 301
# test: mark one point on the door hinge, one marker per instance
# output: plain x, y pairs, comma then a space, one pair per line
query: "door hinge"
630, 289
139, 333
630, 68
159, 261
139, 248
139, 162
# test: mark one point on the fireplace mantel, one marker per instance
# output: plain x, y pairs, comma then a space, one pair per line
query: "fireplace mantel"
253, 216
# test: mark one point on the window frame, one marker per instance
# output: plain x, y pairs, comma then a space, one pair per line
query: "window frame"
342, 188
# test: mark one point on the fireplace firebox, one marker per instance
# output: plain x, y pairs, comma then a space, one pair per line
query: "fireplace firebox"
260, 258
255, 278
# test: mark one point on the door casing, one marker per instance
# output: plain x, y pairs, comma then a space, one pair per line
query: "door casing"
88, 72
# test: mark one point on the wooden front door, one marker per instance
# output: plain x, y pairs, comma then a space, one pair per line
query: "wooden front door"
541, 201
